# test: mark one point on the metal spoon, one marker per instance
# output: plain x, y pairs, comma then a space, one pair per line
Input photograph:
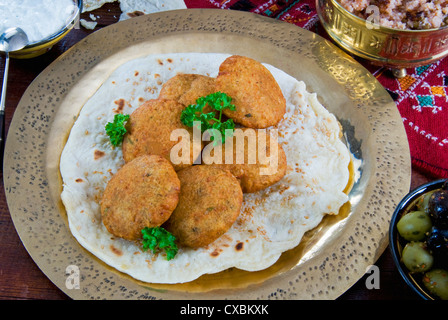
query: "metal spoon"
12, 39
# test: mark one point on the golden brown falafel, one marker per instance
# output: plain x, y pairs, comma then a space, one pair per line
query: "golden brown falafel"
142, 193
256, 164
256, 94
209, 203
149, 130
186, 88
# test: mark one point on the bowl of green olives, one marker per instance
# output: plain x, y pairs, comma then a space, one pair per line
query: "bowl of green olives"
418, 238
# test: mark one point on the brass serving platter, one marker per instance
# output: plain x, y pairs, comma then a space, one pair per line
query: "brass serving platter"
330, 259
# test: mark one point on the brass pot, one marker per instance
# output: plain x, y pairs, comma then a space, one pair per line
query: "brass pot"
394, 48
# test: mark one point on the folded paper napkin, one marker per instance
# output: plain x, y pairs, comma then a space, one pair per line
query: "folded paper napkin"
421, 96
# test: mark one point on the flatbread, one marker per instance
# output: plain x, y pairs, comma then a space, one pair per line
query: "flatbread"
271, 221
131, 8
89, 5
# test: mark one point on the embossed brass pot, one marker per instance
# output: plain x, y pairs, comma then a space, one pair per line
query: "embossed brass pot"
393, 48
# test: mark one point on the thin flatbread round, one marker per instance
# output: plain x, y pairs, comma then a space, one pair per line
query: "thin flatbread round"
271, 221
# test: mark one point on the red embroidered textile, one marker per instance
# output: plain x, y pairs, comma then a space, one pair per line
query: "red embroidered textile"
421, 97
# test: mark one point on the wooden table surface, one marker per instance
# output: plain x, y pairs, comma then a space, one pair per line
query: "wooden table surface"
20, 278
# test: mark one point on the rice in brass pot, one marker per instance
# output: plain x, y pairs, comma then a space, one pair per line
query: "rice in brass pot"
393, 48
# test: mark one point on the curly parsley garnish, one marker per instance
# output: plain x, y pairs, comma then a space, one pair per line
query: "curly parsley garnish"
116, 130
208, 121
157, 239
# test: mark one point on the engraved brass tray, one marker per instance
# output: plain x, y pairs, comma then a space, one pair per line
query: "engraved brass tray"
393, 48
331, 257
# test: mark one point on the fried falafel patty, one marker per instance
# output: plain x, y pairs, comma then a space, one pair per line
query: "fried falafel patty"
256, 158
149, 130
256, 94
142, 193
209, 203
186, 88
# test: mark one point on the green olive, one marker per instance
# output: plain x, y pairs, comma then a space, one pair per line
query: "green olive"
414, 225
436, 281
422, 202
416, 257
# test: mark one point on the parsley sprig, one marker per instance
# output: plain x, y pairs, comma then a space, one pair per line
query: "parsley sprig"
209, 122
116, 130
157, 239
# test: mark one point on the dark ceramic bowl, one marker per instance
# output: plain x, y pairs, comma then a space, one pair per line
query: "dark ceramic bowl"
397, 243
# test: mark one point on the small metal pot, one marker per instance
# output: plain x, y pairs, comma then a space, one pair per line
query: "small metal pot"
394, 48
